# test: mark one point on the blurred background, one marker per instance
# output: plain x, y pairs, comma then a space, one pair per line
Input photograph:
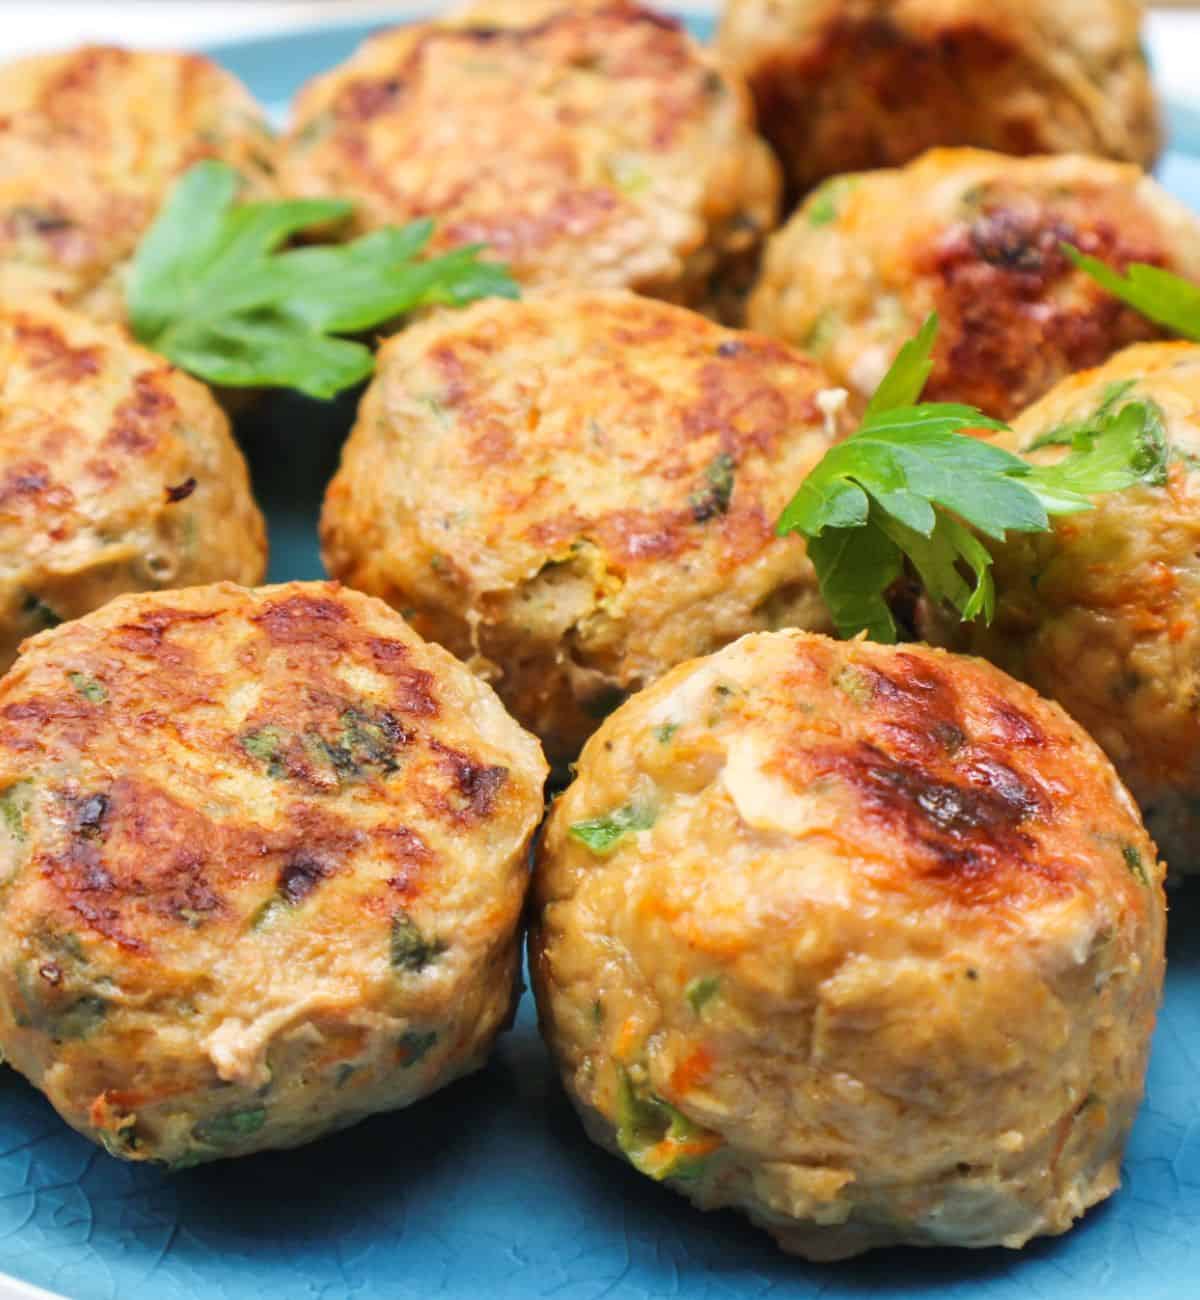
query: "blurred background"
1174, 25
27, 26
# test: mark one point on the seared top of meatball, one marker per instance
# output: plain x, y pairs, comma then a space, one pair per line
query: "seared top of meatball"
978, 238
90, 142
593, 145
109, 456
234, 800
604, 430
906, 778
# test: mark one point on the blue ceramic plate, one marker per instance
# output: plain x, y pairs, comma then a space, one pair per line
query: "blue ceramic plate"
489, 1188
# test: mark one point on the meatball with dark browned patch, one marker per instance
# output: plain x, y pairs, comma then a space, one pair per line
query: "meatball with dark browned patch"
264, 855
589, 146
978, 238
117, 473
844, 85
576, 493
864, 941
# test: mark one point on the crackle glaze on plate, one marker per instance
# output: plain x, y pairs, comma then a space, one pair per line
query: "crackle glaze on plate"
489, 1189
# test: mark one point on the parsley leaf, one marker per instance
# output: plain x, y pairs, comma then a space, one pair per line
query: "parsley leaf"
910, 486
603, 834
1167, 299
211, 291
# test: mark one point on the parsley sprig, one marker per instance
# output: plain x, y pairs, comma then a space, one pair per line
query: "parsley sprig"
909, 486
211, 290
1161, 296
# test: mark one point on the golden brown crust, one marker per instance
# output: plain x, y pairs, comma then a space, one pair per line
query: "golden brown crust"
976, 237
90, 143
251, 837
885, 939
579, 492
1103, 613
120, 474
595, 146
844, 87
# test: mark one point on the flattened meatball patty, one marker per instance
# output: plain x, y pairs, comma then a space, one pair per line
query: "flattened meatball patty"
978, 238
844, 85
577, 493
91, 142
117, 473
264, 857
864, 941
1103, 613
597, 147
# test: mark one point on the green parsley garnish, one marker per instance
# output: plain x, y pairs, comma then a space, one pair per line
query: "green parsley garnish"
91, 690
231, 1127
14, 804
1161, 296
603, 834
265, 745
658, 1139
909, 485
701, 991
714, 497
410, 949
211, 290
413, 1047
1133, 860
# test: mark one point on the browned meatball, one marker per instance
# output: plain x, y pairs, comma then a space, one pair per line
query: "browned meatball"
594, 146
843, 85
976, 237
91, 142
865, 941
264, 856
117, 473
575, 493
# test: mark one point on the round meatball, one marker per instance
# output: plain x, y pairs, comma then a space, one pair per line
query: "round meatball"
864, 941
1103, 613
117, 473
978, 238
90, 144
577, 493
595, 146
264, 854
872, 83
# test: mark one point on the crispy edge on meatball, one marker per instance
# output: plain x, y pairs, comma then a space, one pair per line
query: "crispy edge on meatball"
596, 146
264, 855
576, 493
843, 88
1102, 613
976, 237
864, 941
90, 142
119, 474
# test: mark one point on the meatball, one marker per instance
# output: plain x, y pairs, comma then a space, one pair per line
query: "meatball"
978, 238
595, 146
117, 473
1103, 613
576, 493
864, 941
844, 85
90, 144
264, 855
